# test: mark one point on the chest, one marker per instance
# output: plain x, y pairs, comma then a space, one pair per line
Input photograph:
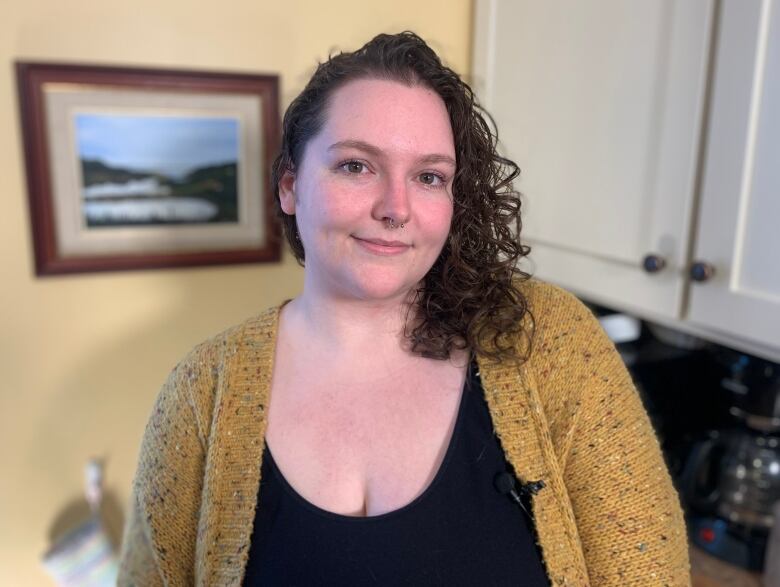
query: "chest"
362, 444
480, 536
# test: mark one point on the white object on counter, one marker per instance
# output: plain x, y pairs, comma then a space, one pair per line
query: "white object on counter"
621, 327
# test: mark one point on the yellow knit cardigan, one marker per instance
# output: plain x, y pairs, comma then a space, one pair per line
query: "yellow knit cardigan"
570, 415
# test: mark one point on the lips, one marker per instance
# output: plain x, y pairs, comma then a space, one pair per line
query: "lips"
382, 246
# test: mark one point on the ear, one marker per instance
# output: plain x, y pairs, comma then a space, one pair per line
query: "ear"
287, 192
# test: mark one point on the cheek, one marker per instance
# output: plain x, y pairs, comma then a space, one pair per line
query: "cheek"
339, 208
330, 205
437, 220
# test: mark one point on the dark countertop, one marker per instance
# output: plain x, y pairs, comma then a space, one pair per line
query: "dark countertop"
708, 571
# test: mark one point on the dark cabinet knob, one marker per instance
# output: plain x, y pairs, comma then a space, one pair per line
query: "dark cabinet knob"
702, 271
653, 263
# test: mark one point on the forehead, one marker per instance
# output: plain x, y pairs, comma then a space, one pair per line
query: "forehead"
391, 115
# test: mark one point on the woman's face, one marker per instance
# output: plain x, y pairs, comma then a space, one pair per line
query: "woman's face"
386, 151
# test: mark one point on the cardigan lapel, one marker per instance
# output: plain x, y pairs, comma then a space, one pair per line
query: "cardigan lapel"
521, 427
235, 452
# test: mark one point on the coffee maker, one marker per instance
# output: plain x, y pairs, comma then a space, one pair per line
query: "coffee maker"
731, 477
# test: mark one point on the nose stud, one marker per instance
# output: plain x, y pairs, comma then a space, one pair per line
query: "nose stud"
391, 224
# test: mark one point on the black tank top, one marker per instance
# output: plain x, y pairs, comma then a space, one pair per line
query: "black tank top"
459, 531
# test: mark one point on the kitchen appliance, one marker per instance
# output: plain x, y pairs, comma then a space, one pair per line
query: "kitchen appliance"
731, 478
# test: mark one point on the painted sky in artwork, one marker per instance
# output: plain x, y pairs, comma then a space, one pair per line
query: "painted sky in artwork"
170, 145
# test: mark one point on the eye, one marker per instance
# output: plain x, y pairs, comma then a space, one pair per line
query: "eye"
353, 167
432, 179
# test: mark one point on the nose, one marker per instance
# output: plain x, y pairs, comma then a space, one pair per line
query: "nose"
393, 201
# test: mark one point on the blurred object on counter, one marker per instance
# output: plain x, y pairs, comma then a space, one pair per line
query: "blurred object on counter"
731, 478
84, 556
677, 339
93, 484
771, 576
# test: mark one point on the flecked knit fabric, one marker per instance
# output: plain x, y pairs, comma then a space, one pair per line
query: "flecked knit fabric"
570, 416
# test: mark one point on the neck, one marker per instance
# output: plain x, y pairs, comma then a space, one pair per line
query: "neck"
345, 324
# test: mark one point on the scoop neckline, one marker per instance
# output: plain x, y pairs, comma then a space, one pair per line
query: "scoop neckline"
314, 509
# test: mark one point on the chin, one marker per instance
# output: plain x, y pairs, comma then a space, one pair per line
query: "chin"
381, 288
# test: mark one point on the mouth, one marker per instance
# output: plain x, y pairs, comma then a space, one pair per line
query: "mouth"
382, 247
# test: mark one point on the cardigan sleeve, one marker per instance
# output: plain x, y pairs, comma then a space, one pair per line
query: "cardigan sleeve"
158, 546
628, 512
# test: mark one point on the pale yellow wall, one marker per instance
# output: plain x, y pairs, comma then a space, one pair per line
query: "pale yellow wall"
83, 356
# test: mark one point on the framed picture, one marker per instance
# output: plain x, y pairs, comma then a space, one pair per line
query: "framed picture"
142, 168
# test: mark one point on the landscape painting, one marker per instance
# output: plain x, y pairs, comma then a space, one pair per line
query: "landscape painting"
146, 170
139, 168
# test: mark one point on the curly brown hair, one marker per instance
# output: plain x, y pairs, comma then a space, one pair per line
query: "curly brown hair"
470, 298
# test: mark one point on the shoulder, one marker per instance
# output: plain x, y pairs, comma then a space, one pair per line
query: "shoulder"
552, 315
572, 360
550, 303
561, 322
255, 332
578, 373
214, 363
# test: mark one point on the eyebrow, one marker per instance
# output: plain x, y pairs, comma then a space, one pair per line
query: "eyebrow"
376, 151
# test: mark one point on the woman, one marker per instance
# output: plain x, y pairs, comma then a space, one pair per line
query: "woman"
423, 413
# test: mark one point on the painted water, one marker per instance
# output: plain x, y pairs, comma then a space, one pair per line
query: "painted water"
142, 201
147, 187
158, 210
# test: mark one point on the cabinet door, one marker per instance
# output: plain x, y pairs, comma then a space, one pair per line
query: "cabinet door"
601, 104
739, 220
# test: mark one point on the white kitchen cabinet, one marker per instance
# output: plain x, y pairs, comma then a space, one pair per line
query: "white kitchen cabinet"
645, 128
600, 103
739, 216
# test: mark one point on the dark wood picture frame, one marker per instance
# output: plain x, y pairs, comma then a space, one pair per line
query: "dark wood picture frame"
253, 237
